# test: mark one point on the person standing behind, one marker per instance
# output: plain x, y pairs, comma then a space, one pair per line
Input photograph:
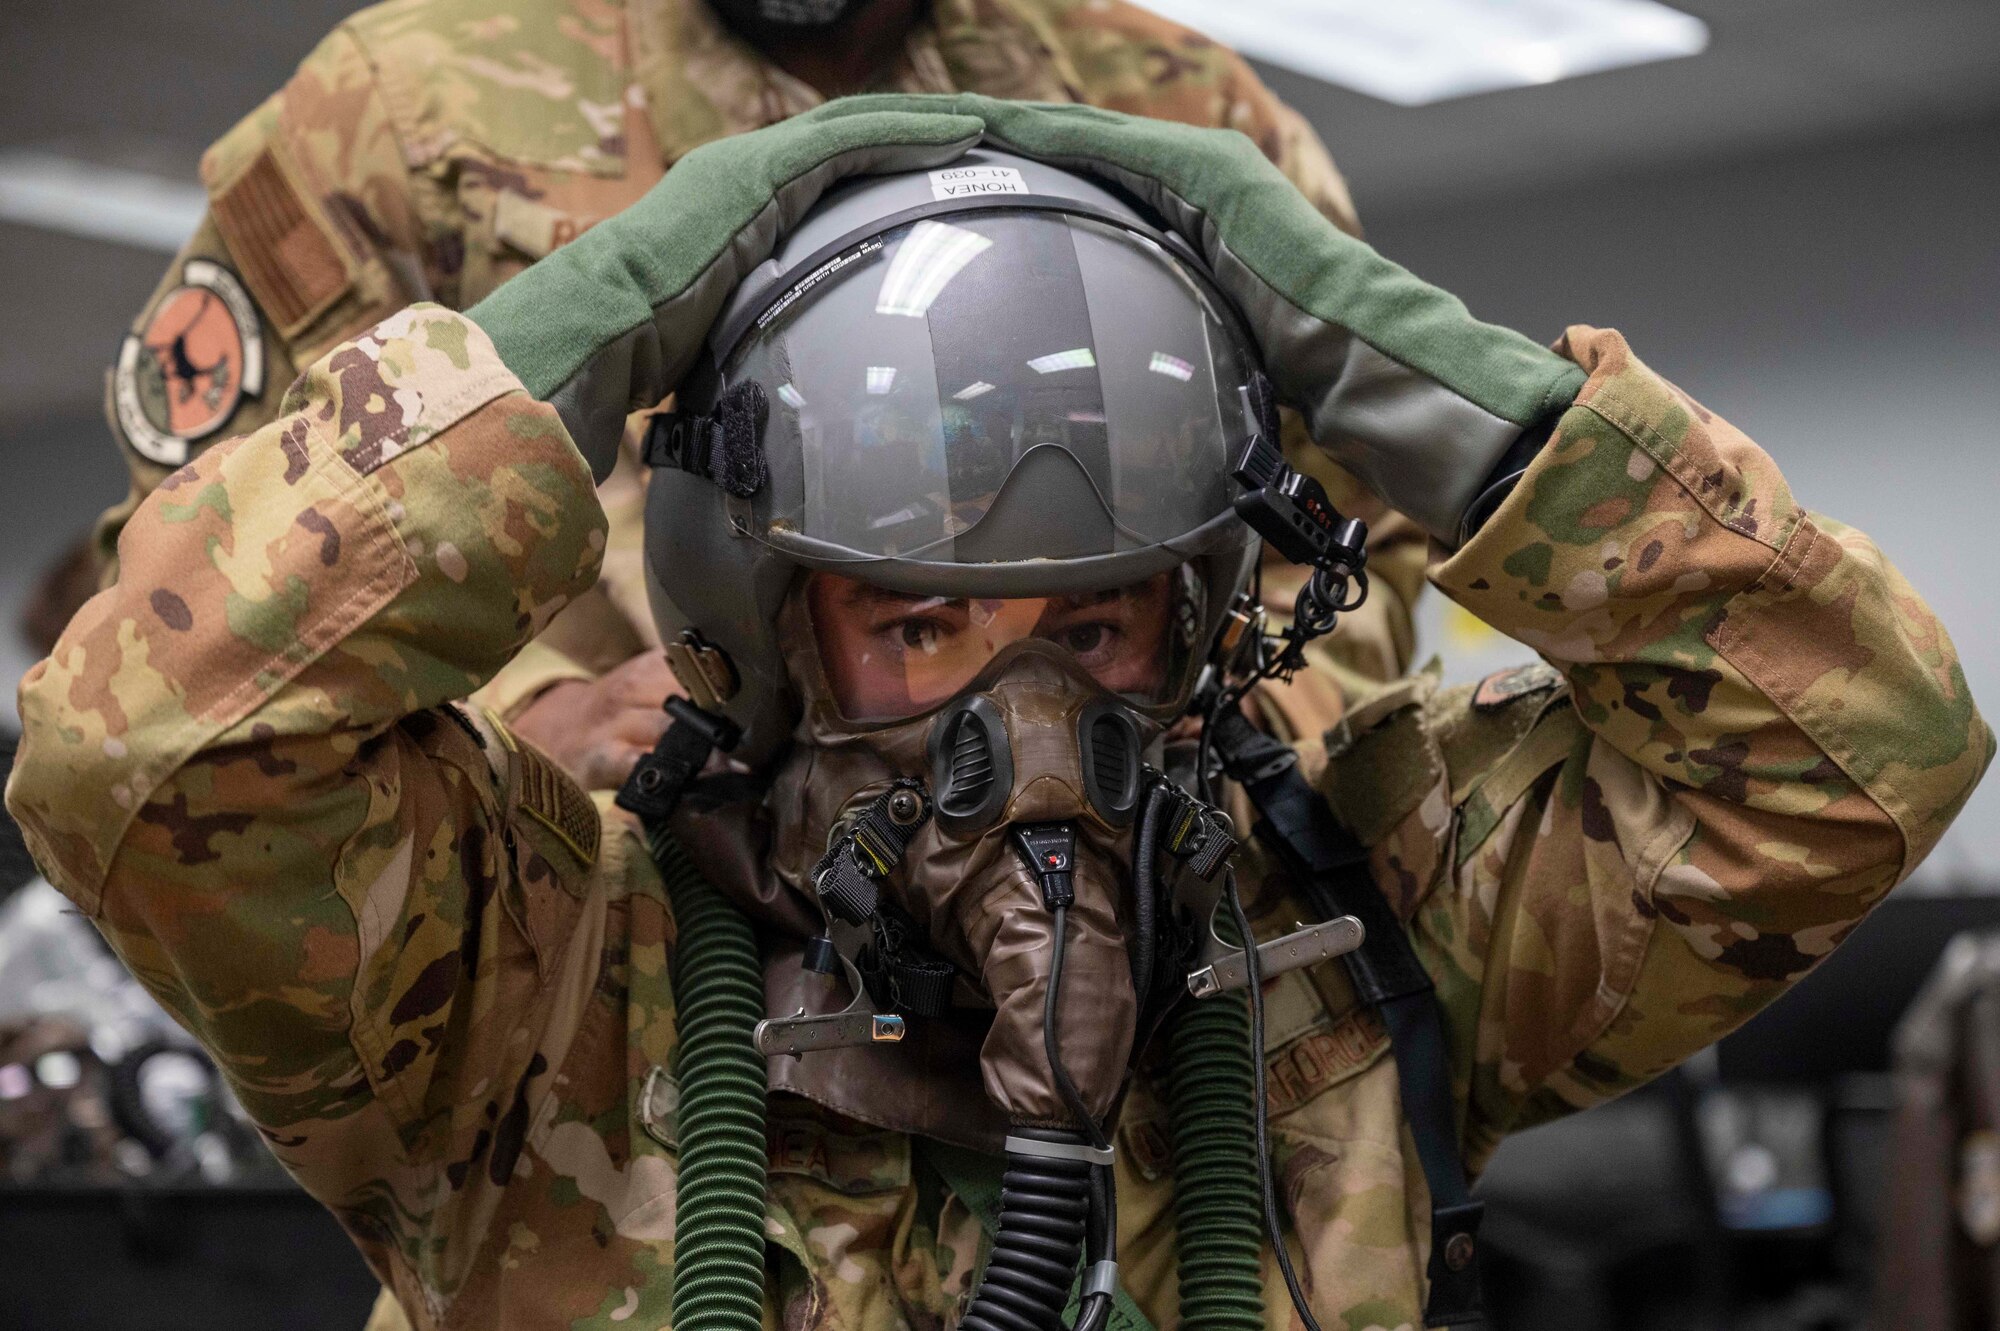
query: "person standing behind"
431, 149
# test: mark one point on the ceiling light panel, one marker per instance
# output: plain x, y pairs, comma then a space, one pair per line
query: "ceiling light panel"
1415, 52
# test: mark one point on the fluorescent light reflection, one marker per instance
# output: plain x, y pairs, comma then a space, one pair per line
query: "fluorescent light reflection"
881, 378
972, 390
791, 396
1057, 361
1415, 52
929, 257
103, 202
1171, 366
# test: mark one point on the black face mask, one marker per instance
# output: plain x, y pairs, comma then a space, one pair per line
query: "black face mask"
754, 18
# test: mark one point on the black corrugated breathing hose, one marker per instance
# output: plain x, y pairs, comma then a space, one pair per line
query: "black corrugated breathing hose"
1044, 1208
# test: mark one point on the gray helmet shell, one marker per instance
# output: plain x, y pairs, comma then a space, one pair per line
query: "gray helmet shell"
719, 567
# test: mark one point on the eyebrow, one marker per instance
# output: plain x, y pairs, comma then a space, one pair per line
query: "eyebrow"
1082, 599
864, 594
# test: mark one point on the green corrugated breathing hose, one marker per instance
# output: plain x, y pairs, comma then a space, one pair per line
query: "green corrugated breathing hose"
1218, 1212
719, 1204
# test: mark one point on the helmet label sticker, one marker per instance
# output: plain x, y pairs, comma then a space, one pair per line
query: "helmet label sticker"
964, 182
181, 376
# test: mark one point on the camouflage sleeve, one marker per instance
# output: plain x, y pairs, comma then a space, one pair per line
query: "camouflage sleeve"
1758, 728
238, 763
310, 237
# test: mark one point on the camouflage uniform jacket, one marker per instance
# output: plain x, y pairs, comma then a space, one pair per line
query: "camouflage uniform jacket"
437, 973
430, 149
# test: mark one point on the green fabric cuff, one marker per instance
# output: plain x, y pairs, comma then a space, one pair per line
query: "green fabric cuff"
610, 322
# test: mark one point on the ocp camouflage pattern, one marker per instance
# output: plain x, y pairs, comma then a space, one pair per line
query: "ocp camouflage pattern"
430, 149
243, 762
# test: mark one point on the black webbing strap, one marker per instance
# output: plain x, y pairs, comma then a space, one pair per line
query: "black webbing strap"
849, 876
1331, 868
725, 447
901, 972
657, 781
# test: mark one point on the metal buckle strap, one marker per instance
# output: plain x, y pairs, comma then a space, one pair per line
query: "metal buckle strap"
1331, 868
658, 780
848, 877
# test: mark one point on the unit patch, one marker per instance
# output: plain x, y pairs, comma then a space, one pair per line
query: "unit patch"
179, 378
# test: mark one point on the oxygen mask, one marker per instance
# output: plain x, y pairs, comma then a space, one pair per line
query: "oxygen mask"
1020, 724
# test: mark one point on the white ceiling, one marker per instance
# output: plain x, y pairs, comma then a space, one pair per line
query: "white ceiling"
1776, 74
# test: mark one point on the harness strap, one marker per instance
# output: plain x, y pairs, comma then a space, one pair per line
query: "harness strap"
657, 781
900, 969
1331, 868
974, 1179
725, 447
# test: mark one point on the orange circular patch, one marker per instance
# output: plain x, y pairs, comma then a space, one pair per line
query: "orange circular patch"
196, 348
197, 356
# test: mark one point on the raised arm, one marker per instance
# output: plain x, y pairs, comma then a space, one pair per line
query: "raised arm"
237, 762
310, 237
1757, 729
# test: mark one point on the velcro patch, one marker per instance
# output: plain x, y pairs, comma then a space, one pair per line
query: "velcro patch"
286, 255
1322, 1057
198, 354
549, 797
852, 1159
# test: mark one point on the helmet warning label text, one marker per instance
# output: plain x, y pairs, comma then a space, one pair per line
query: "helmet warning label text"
965, 182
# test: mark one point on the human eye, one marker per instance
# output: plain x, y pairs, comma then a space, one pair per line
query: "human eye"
924, 631
1095, 637
918, 634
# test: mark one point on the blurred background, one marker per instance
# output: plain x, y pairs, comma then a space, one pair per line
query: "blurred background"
1789, 205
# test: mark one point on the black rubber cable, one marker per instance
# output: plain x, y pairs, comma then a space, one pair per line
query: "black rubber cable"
1145, 890
1100, 1245
1101, 1231
1051, 1045
1271, 1226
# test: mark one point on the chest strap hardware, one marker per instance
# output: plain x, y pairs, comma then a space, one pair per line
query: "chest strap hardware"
801, 1034
1331, 868
1294, 951
896, 966
1200, 836
849, 876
